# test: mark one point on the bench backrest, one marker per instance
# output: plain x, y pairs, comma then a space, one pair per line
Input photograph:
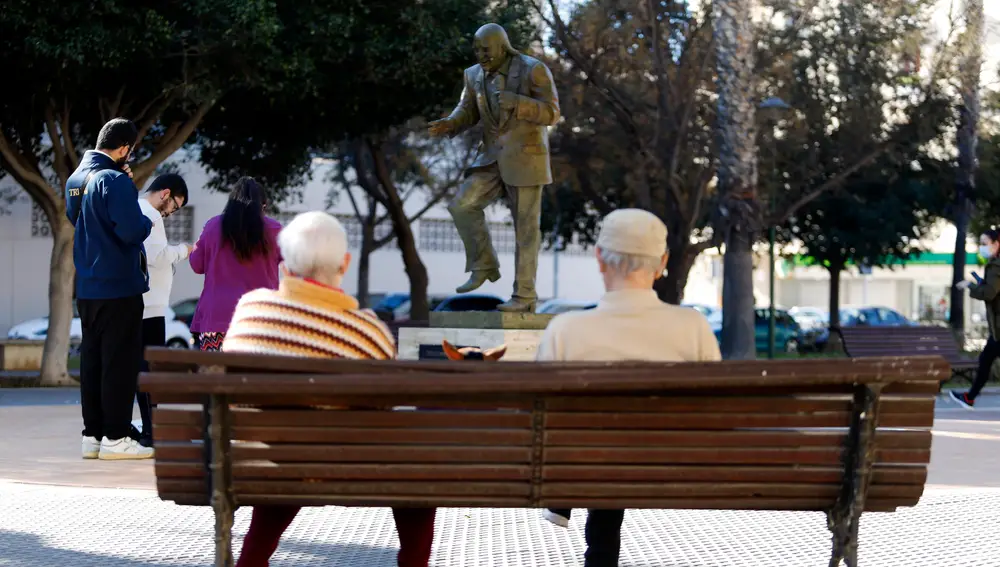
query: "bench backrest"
757, 435
862, 341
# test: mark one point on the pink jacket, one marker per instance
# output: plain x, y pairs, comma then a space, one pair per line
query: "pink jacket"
227, 278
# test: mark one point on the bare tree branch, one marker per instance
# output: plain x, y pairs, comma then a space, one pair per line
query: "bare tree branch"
67, 132
168, 147
59, 154
832, 183
147, 122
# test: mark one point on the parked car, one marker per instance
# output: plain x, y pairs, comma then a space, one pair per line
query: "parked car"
868, 316
713, 314
184, 310
810, 317
178, 335
469, 302
788, 335
557, 306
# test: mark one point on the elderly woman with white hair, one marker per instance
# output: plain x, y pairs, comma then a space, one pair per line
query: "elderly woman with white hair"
310, 316
629, 323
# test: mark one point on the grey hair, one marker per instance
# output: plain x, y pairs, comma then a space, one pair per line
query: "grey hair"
625, 264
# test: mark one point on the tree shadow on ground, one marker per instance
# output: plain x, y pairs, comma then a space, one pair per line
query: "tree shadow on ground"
30, 550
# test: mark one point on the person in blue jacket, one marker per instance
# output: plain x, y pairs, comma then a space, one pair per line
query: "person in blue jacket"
110, 262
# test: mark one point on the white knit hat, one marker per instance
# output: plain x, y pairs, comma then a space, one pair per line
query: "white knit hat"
633, 231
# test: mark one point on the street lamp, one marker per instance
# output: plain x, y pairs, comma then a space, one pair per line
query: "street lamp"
774, 104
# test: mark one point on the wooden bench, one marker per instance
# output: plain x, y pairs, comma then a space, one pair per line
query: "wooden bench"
833, 435
863, 341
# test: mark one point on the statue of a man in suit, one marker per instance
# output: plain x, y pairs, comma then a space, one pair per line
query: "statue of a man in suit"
514, 98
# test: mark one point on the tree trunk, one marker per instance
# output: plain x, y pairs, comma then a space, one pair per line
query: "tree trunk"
364, 257
670, 288
739, 341
737, 172
61, 271
834, 344
970, 70
415, 269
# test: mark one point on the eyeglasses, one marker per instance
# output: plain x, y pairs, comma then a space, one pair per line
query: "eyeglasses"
175, 205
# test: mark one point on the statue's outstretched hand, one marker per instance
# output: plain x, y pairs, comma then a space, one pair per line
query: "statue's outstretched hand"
441, 127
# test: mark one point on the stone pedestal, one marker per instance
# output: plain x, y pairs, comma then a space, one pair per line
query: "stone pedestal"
521, 332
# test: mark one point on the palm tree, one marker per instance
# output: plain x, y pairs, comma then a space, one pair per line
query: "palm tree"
970, 69
739, 218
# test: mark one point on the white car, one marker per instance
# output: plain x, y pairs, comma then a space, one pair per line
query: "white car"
178, 335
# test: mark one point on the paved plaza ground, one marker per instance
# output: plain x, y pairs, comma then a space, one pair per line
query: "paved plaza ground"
59, 510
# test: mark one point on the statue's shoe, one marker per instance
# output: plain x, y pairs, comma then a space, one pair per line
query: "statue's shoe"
477, 279
516, 305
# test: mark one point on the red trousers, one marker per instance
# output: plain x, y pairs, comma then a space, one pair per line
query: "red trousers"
415, 527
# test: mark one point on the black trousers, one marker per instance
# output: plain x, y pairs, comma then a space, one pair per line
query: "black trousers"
154, 334
110, 357
603, 534
986, 359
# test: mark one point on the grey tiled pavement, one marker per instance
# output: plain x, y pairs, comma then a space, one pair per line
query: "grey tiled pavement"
43, 525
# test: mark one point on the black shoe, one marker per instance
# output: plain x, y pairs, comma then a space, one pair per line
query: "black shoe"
962, 399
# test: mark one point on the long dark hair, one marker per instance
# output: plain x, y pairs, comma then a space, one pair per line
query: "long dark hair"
243, 219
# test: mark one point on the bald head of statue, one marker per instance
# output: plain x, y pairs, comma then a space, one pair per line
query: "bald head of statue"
492, 47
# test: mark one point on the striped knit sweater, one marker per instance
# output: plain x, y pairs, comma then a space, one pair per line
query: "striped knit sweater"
309, 320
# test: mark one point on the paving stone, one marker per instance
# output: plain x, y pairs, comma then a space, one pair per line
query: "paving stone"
43, 525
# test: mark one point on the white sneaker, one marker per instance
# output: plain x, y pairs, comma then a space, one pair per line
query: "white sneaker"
124, 449
91, 447
559, 520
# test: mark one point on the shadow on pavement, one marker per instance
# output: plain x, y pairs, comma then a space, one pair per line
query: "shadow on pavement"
29, 550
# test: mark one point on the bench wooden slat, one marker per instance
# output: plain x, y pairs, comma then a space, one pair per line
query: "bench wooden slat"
694, 438
887, 474
382, 454
614, 420
736, 404
912, 387
728, 455
613, 489
786, 504
332, 471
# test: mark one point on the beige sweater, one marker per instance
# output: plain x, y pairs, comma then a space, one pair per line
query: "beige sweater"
630, 325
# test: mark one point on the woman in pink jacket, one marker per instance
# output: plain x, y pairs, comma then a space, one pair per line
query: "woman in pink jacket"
237, 252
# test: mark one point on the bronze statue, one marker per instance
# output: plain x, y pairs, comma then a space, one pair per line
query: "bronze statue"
514, 97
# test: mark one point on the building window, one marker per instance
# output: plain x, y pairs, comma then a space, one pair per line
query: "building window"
39, 222
441, 236
180, 226
351, 224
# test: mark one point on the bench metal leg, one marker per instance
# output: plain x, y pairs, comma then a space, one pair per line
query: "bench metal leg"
845, 518
221, 475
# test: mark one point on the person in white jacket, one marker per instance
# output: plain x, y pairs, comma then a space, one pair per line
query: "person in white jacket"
164, 197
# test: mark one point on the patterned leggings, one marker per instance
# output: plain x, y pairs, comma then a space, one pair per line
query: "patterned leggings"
209, 341
415, 527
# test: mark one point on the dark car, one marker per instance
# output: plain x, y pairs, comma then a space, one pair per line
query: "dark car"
469, 302
184, 310
867, 316
788, 335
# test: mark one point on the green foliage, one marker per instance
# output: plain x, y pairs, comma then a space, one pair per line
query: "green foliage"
88, 62
986, 210
878, 218
363, 66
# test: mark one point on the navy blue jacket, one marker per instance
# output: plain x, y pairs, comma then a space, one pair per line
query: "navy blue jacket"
110, 228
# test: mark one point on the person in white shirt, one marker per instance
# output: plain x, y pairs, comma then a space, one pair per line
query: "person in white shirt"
164, 197
629, 323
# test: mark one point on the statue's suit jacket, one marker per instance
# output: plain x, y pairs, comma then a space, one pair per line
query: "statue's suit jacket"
518, 142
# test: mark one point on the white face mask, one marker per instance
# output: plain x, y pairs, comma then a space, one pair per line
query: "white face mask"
985, 251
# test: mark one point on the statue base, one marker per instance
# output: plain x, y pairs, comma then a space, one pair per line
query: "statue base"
521, 332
